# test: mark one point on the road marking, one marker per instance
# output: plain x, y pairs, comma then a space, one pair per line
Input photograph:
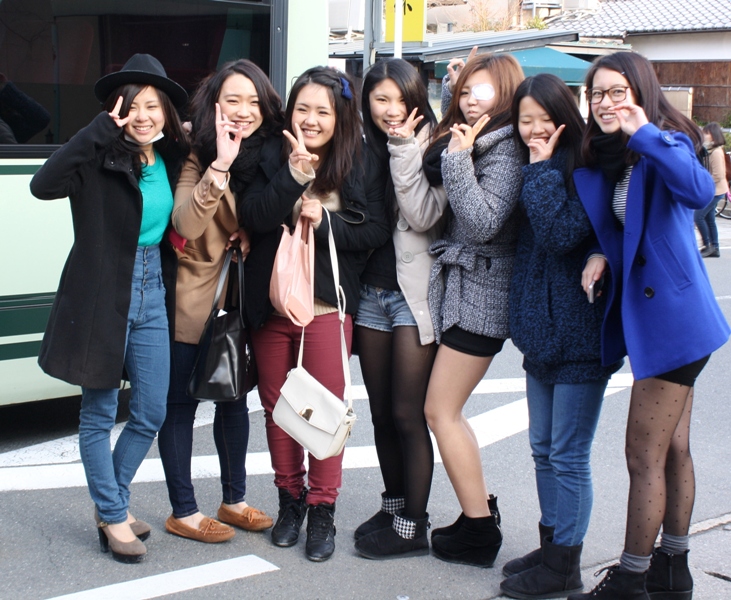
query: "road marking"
490, 427
178, 581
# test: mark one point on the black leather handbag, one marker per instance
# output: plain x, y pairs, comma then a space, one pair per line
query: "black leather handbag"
224, 368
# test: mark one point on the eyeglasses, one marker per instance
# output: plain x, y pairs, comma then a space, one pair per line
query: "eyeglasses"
616, 94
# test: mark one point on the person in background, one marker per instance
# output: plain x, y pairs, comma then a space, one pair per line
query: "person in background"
705, 218
640, 187
233, 112
116, 296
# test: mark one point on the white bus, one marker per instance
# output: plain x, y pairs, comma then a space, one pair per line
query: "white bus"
51, 54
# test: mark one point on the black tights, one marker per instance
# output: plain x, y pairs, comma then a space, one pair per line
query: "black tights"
396, 370
662, 481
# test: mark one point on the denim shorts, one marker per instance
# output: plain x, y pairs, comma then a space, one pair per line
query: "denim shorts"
383, 310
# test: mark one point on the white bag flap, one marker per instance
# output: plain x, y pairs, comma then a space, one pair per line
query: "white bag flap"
313, 402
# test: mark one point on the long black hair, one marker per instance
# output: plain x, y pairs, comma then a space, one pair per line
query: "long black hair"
413, 91
559, 103
173, 147
647, 94
203, 107
414, 94
345, 147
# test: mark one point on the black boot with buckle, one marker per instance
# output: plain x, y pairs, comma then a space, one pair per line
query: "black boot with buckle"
669, 577
286, 530
320, 532
405, 537
383, 518
617, 584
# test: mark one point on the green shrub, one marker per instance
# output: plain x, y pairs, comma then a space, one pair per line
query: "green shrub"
536, 23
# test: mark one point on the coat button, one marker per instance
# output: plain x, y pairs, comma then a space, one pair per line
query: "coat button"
641, 260
407, 257
402, 225
649, 292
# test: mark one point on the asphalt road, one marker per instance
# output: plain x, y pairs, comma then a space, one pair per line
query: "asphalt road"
49, 549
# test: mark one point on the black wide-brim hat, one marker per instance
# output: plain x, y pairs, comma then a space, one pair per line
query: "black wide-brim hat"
145, 69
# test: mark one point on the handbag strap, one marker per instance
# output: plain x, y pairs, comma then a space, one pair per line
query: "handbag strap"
224, 272
340, 294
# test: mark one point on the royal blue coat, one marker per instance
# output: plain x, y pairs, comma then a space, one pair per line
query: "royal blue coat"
661, 310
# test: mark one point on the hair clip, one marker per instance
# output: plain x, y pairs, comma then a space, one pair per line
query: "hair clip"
347, 94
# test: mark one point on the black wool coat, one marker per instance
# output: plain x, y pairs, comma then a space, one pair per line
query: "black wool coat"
358, 228
84, 342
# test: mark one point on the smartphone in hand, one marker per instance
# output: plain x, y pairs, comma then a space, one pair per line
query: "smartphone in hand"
595, 289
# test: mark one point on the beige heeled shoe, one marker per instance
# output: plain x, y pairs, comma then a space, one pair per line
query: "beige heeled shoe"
124, 552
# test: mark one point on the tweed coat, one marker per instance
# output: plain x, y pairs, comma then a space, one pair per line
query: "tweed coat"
84, 343
470, 280
661, 310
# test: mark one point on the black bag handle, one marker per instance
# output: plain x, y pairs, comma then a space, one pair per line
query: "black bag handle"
225, 271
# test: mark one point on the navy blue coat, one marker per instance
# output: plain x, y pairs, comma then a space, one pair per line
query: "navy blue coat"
661, 310
551, 321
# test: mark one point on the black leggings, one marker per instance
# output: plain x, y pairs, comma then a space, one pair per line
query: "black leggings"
396, 370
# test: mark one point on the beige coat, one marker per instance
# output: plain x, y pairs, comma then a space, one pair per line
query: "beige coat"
420, 221
205, 215
718, 170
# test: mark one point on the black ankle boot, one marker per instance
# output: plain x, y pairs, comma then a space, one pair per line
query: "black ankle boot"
405, 537
476, 543
383, 518
532, 559
320, 532
451, 529
617, 585
286, 530
557, 575
669, 577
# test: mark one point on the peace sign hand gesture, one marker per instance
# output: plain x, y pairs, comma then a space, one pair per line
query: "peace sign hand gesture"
227, 147
541, 149
115, 114
463, 135
407, 129
300, 158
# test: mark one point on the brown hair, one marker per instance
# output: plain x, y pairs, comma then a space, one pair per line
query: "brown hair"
506, 76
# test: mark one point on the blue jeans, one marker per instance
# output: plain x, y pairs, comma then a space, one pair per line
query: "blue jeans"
383, 310
175, 442
147, 360
562, 422
705, 220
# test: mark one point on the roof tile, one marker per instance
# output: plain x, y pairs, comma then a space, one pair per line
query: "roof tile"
617, 18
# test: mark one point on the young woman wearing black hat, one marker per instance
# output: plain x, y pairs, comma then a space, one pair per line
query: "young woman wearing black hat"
111, 310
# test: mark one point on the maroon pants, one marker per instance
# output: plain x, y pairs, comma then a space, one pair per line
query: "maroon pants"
276, 346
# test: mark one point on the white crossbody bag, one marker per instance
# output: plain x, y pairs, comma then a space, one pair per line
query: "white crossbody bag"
306, 410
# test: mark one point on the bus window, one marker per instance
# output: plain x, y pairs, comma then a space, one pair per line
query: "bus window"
51, 54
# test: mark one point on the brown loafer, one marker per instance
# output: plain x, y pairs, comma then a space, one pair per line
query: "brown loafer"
252, 519
209, 531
